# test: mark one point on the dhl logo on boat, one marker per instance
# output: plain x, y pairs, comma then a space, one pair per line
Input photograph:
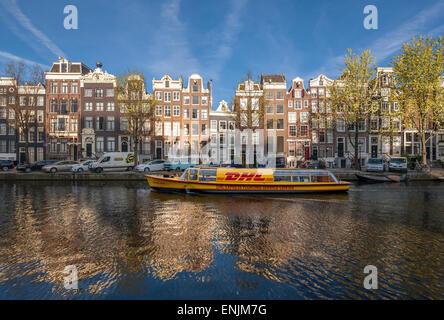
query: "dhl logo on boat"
244, 176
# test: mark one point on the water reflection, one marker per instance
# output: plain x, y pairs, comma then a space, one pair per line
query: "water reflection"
132, 243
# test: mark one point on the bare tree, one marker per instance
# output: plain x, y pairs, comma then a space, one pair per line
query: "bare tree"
28, 83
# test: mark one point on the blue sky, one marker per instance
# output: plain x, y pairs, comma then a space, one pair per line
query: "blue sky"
220, 40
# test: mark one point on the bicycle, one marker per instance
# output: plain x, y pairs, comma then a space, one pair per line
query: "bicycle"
419, 167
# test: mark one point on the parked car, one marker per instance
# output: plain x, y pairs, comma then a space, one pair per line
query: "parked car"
36, 166
398, 164
178, 165
60, 166
82, 166
155, 165
5, 165
313, 164
113, 161
375, 164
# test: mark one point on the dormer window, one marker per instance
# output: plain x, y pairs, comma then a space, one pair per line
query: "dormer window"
167, 84
321, 82
64, 67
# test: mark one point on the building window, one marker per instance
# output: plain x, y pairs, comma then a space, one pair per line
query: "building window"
304, 117
195, 129
186, 100
158, 128
61, 124
176, 111
269, 109
158, 111
195, 100
53, 87
292, 117
74, 105
176, 129
186, 113
204, 130
280, 124
123, 124
167, 129
53, 146
176, 96
100, 144
159, 95
167, 111
74, 125
195, 114
204, 114
269, 95
110, 106
111, 144
195, 88
88, 106
99, 93
204, 100
340, 125
54, 106
88, 122
88, 92
64, 107
186, 129
167, 97
298, 105
279, 95
269, 123
293, 131
304, 131
222, 125
110, 124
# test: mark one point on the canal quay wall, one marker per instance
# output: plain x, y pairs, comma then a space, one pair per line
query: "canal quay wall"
347, 175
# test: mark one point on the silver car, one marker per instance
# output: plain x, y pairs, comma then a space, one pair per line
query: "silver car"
60, 166
375, 164
398, 164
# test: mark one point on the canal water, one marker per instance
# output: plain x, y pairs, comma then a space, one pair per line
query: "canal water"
130, 243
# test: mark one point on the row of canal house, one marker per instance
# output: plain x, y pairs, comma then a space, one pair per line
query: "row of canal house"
76, 117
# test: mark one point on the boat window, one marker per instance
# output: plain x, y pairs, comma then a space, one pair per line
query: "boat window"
282, 176
321, 177
207, 175
332, 177
184, 176
301, 178
194, 174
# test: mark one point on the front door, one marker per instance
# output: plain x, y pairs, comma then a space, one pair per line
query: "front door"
158, 153
340, 147
124, 146
307, 153
374, 151
88, 150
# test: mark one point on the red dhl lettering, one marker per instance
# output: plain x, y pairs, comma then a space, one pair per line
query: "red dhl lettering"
234, 176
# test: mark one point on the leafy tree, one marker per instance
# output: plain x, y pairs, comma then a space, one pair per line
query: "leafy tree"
136, 106
418, 74
354, 97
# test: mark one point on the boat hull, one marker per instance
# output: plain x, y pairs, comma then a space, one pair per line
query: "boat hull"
176, 185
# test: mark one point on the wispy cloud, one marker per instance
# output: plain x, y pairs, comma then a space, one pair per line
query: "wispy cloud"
6, 56
25, 22
391, 42
172, 52
226, 38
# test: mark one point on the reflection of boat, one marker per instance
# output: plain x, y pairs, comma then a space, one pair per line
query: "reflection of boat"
231, 180
381, 178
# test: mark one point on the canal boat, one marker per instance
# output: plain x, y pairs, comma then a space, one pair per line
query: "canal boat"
232, 180
375, 178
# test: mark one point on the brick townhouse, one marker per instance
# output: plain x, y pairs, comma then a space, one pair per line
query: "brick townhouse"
182, 117
8, 147
298, 123
63, 109
222, 135
100, 116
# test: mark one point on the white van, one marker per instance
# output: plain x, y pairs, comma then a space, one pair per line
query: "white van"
113, 161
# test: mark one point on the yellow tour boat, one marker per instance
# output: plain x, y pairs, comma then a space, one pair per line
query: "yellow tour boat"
231, 180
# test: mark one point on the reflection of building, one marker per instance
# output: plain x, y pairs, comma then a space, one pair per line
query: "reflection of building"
100, 116
63, 108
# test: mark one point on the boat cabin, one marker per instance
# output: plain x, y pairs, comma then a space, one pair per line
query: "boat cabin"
234, 175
